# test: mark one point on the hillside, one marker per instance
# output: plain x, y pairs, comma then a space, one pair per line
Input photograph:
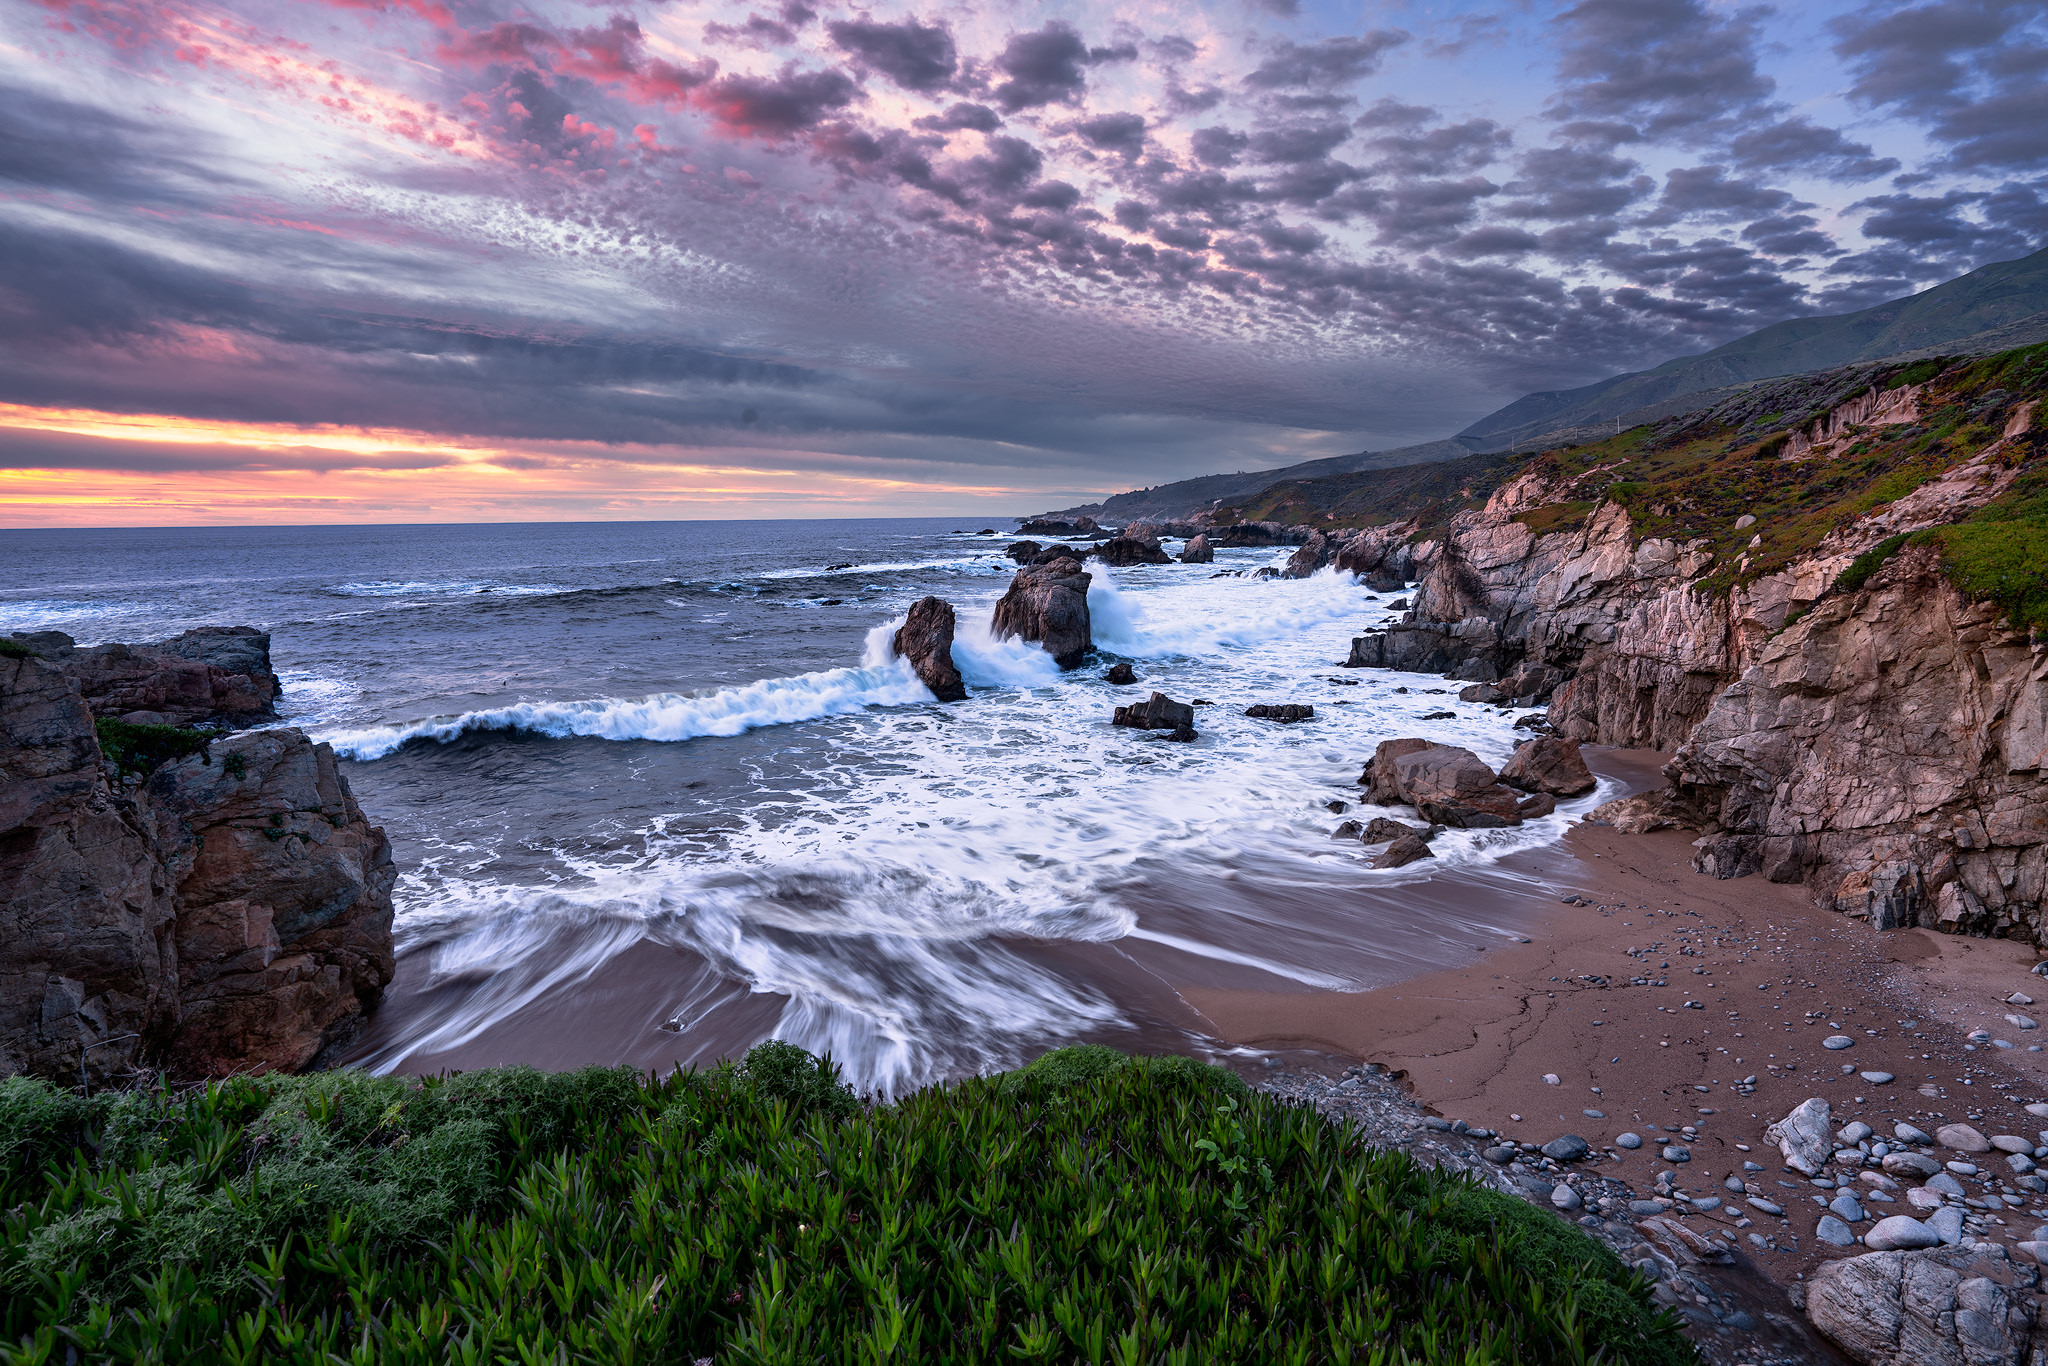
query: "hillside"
1188, 497
1999, 306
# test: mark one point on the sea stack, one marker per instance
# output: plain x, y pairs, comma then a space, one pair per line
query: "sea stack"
1048, 603
926, 639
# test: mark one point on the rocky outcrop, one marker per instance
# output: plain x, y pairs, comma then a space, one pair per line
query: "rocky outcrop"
216, 675
926, 639
1053, 526
1448, 785
1549, 764
1023, 552
1158, 712
1936, 1307
232, 913
1197, 551
1887, 750
1315, 554
1121, 674
1284, 712
1048, 603
1126, 550
1242, 534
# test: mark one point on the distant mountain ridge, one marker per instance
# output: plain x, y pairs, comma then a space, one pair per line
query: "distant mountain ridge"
1987, 301
1993, 308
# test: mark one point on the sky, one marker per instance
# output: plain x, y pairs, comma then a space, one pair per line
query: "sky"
473, 260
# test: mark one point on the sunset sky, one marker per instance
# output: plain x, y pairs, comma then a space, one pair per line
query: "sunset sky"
434, 260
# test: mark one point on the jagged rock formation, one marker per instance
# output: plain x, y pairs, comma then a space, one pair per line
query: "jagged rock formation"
1128, 549
214, 675
232, 913
1197, 551
1048, 603
1937, 1307
926, 639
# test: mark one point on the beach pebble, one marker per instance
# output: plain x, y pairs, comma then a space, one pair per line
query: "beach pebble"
1733, 1183
1628, 1140
1566, 1148
1499, 1156
1551, 1079
1564, 1197
1674, 1153
1979, 1036
1833, 1230
1877, 1181
1594, 1114
1436, 1122
1878, 1078
1947, 1225
2020, 1022
2034, 1251
2019, 1162
1944, 1184
2012, 1143
1846, 1208
1757, 1202
1648, 1206
1837, 1042
2001, 1043
2019, 998
1854, 1132
1962, 1138
1900, 1231
1906, 1133
1704, 1203
1963, 1168
2039, 1109
1922, 1198
1910, 1164
1752, 1166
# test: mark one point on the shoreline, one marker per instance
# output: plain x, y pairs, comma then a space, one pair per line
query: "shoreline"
1771, 975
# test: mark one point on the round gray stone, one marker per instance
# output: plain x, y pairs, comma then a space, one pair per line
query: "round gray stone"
1838, 1042
1900, 1231
1833, 1230
1628, 1140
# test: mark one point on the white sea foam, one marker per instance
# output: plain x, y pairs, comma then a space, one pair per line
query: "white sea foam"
665, 716
884, 905
444, 588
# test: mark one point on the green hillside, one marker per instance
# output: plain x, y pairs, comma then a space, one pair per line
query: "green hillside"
1986, 300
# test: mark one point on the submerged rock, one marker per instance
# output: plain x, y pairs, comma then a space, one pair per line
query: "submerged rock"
1158, 712
1285, 712
1403, 851
926, 639
1121, 674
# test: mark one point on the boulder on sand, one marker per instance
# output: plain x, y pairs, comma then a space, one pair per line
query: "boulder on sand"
1048, 603
1802, 1136
1197, 551
1403, 851
1549, 764
926, 639
1453, 786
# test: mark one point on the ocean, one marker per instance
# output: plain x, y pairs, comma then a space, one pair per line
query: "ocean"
658, 791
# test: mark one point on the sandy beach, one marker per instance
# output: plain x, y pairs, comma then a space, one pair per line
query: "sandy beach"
1656, 997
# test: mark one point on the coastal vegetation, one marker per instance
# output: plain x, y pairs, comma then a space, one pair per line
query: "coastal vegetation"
139, 749
1090, 1207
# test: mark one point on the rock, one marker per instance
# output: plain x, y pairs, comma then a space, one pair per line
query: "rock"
1284, 712
2019, 998
1837, 1042
1564, 1197
1910, 1164
1907, 1133
1802, 1136
1549, 764
1832, 1230
1048, 603
1159, 712
1380, 828
216, 675
1947, 1224
1962, 1138
1900, 1231
1378, 778
1123, 551
1877, 1078
2012, 1143
1452, 786
1566, 1148
1315, 553
1946, 1307
2021, 1022
1854, 1132
926, 639
1197, 551
1552, 1079
1643, 813
1023, 552
1121, 674
1846, 1208
1941, 1183
1053, 526
232, 914
1628, 1140
1403, 851
1535, 805
1484, 693
1771, 1207
1500, 1155
1351, 830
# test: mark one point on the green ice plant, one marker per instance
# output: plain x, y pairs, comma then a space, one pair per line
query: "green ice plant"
1089, 1208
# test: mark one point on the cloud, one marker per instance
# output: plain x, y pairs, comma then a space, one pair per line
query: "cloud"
1664, 67
1797, 144
1707, 192
1330, 62
916, 56
777, 106
1123, 134
1048, 66
1973, 73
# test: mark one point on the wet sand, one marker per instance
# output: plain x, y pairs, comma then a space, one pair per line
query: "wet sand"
1653, 1003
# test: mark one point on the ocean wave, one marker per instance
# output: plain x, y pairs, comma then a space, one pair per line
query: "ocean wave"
665, 716
444, 588
979, 563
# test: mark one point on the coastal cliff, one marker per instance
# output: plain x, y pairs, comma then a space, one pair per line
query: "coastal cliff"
1823, 595
230, 912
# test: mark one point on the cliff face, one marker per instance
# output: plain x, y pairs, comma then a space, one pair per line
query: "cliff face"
232, 913
1843, 719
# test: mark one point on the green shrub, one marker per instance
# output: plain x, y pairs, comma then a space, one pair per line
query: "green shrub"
1919, 372
1863, 566
1087, 1208
141, 750
14, 649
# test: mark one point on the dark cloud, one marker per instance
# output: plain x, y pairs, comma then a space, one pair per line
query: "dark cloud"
1218, 146
1123, 134
1404, 144
1497, 240
1010, 165
1706, 191
1974, 73
1573, 182
1298, 142
1669, 68
1796, 144
978, 118
755, 32
1790, 235
1331, 62
789, 102
1048, 66
916, 56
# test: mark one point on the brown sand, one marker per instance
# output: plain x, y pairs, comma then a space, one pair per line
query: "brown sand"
1773, 976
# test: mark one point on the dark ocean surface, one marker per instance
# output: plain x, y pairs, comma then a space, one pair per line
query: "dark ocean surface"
660, 790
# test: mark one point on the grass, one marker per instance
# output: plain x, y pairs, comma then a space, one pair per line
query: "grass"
14, 649
141, 750
1089, 1208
